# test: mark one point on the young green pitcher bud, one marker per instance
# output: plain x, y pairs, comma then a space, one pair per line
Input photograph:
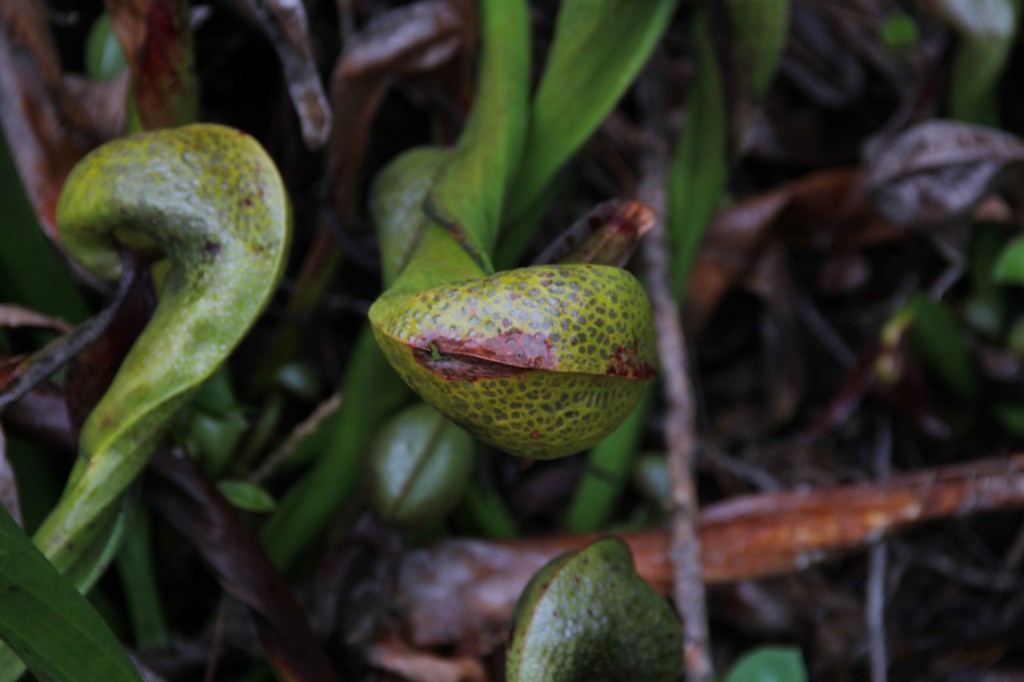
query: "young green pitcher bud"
587, 615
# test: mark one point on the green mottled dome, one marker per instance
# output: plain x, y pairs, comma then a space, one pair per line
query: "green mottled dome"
587, 615
541, 362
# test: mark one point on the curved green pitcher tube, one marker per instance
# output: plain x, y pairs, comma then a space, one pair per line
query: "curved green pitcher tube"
210, 200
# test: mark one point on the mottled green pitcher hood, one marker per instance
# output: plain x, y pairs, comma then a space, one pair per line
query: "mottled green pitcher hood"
541, 362
588, 616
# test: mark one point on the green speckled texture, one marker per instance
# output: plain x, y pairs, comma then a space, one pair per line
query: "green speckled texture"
210, 199
541, 362
587, 617
418, 466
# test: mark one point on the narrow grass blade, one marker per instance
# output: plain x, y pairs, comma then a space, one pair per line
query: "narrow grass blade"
938, 337
608, 466
138, 578
483, 509
700, 169
599, 48
469, 193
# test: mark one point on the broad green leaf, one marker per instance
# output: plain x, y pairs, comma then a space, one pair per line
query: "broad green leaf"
104, 57
214, 438
769, 664
1009, 267
599, 47
48, 623
939, 339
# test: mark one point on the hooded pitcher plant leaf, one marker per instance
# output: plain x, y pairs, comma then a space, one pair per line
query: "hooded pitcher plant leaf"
541, 362
587, 615
211, 200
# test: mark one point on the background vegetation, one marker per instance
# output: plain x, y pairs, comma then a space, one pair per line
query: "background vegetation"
839, 190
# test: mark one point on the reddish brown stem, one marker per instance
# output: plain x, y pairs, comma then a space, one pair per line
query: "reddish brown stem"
463, 591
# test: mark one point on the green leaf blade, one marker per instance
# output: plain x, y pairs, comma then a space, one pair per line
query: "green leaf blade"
1010, 265
600, 47
469, 193
48, 623
938, 337
598, 50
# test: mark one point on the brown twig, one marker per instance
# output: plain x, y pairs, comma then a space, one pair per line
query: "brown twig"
288, 29
8, 483
41, 364
462, 591
688, 581
878, 561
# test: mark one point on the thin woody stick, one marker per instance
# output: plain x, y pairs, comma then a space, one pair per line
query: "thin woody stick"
688, 582
463, 591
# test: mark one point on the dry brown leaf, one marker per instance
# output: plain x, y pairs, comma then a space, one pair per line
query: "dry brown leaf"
156, 37
47, 126
286, 25
41, 416
829, 209
937, 172
411, 39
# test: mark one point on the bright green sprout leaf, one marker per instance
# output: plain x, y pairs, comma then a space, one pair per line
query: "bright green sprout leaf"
769, 664
899, 31
1010, 264
246, 496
